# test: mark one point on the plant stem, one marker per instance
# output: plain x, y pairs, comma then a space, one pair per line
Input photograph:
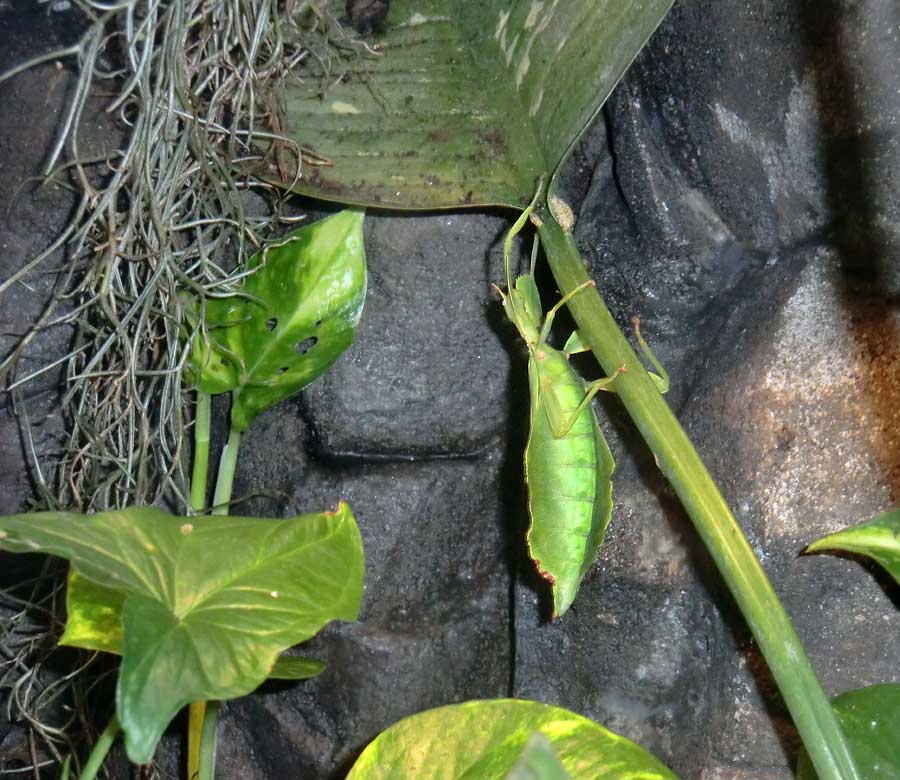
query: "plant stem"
98, 754
201, 452
208, 743
225, 478
202, 715
197, 709
723, 537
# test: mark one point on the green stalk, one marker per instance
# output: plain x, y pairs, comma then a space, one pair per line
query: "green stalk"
98, 754
208, 743
197, 709
720, 532
201, 452
202, 715
225, 477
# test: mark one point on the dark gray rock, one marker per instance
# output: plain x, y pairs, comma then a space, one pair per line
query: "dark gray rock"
740, 194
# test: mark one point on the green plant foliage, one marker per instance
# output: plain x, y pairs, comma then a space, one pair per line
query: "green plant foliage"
483, 740
295, 667
94, 622
879, 538
298, 313
870, 718
538, 762
471, 102
209, 602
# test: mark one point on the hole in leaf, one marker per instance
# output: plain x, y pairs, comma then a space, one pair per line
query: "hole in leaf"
282, 370
224, 362
306, 345
318, 322
271, 323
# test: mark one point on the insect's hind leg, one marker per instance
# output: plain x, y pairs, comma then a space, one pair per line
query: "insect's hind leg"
562, 426
548, 317
661, 380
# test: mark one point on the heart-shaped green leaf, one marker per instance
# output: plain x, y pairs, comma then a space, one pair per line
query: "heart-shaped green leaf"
469, 103
538, 762
210, 602
298, 314
870, 718
95, 623
483, 740
879, 538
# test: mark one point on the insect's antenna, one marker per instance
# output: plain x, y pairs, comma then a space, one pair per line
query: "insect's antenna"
514, 231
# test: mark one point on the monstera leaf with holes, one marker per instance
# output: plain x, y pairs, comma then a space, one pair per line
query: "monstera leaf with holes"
296, 314
494, 740
207, 603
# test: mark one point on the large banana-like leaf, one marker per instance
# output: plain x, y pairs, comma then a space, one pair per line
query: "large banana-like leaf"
468, 103
208, 603
484, 740
299, 312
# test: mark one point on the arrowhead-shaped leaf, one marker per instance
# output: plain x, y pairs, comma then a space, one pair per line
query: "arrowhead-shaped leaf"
94, 622
483, 740
870, 718
470, 103
879, 538
210, 602
298, 314
538, 762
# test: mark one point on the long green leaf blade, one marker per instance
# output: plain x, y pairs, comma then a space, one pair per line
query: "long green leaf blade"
210, 602
470, 103
483, 740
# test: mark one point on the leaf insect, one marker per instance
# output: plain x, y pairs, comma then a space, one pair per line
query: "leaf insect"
568, 464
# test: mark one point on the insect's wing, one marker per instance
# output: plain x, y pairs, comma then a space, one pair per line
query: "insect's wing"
569, 486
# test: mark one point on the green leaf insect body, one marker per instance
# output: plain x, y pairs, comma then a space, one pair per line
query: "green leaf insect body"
568, 465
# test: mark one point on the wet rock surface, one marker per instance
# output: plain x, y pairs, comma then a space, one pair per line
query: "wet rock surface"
739, 193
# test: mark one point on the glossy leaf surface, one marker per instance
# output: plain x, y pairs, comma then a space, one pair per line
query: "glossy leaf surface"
210, 602
484, 740
538, 762
299, 314
94, 622
879, 538
870, 718
469, 104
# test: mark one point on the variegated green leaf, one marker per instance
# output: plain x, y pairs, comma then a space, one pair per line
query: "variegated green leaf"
878, 538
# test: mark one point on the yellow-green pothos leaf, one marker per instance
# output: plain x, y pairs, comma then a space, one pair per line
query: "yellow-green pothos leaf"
870, 719
538, 762
878, 538
483, 740
467, 103
94, 622
297, 314
209, 602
